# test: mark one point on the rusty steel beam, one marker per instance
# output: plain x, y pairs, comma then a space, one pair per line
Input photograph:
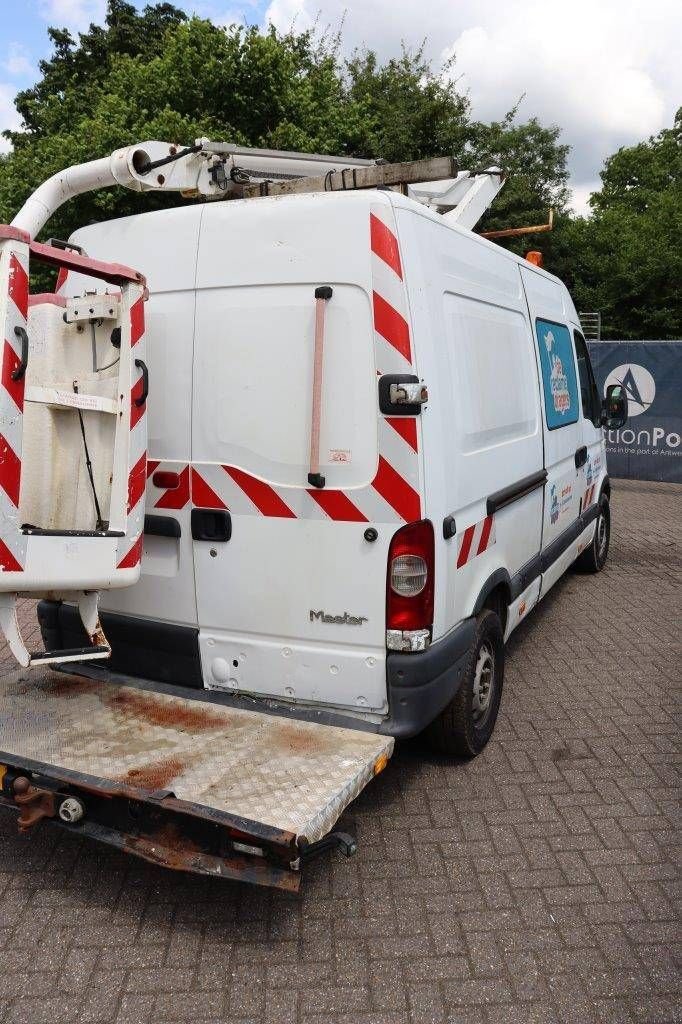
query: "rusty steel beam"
515, 232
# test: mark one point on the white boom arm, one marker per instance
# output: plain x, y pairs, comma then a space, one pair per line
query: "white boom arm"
206, 169
462, 200
215, 170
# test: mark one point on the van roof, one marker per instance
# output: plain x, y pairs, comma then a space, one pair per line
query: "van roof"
188, 216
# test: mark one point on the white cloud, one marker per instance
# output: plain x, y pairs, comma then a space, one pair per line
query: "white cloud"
76, 15
9, 119
606, 71
285, 14
17, 63
581, 195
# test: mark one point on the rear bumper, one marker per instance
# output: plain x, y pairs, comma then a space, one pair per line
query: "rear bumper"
161, 651
419, 685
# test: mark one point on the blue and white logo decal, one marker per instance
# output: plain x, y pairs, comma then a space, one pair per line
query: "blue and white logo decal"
558, 373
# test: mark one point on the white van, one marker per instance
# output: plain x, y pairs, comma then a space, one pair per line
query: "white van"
380, 589
312, 472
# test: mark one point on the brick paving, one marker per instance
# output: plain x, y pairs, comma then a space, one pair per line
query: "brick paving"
536, 884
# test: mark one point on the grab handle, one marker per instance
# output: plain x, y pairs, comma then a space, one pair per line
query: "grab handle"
141, 399
19, 372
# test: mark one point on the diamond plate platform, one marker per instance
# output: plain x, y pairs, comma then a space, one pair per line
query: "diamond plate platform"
292, 775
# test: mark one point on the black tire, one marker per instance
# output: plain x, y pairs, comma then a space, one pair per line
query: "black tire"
463, 728
593, 558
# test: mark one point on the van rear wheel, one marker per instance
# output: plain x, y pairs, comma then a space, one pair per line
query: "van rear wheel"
593, 558
464, 727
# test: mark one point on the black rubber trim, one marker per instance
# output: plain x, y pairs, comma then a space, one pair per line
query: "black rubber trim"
420, 685
520, 489
545, 559
159, 651
525, 576
162, 526
556, 549
499, 576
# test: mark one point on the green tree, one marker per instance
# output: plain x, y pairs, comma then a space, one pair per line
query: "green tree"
157, 74
627, 259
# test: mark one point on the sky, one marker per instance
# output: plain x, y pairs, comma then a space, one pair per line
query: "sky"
607, 71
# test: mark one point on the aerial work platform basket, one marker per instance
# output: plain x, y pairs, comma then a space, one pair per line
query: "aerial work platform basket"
73, 438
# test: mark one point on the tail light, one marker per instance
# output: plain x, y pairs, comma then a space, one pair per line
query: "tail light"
409, 588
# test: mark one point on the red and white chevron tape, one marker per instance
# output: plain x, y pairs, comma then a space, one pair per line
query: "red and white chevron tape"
130, 555
14, 287
475, 540
394, 495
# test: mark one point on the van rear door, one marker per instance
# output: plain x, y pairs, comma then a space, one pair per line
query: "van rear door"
290, 588
563, 432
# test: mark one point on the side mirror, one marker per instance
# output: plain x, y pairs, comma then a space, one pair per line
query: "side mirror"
614, 410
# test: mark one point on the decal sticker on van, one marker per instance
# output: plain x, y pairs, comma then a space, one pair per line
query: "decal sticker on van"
558, 373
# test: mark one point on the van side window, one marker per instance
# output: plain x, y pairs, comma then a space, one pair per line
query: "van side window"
558, 373
589, 394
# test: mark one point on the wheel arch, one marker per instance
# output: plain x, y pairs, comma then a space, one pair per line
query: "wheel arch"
496, 595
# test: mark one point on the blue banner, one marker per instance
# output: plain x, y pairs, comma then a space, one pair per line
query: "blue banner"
648, 446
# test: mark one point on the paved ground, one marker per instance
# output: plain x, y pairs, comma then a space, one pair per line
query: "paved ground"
536, 884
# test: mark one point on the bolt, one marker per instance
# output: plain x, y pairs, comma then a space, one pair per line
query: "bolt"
21, 786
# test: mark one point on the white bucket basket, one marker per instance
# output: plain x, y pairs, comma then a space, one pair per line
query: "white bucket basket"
73, 438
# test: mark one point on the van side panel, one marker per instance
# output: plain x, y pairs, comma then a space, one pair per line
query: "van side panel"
482, 431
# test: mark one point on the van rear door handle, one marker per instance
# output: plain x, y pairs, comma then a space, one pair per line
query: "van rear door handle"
580, 457
213, 524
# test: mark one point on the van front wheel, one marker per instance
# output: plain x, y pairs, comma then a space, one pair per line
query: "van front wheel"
593, 558
464, 727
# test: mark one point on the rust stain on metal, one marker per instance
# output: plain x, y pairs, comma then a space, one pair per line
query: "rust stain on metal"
156, 774
169, 714
98, 638
34, 803
295, 740
171, 849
